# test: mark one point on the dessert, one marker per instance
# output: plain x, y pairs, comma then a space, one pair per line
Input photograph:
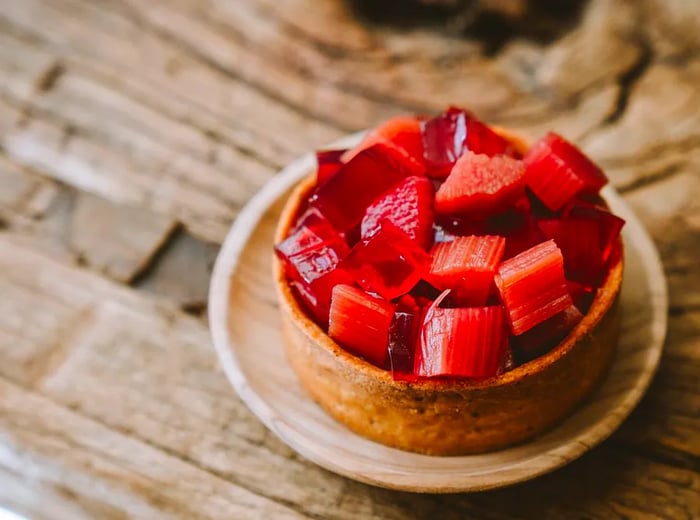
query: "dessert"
447, 289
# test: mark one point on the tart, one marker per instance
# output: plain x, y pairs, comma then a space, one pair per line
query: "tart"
465, 324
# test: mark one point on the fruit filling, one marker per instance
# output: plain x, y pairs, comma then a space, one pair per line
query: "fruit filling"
439, 248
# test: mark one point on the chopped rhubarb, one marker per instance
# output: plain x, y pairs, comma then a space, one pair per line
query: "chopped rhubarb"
360, 323
388, 263
586, 235
409, 206
533, 287
402, 133
467, 266
344, 198
466, 342
557, 171
328, 164
311, 255
404, 334
447, 136
549, 333
481, 185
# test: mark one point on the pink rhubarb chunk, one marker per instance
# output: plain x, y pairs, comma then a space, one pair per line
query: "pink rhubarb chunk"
360, 323
532, 286
557, 171
467, 266
466, 342
481, 185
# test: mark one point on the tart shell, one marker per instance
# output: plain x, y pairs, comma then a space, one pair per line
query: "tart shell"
448, 417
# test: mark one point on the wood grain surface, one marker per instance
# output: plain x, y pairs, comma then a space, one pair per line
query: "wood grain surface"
166, 117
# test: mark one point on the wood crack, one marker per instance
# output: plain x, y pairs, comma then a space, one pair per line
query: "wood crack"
629, 79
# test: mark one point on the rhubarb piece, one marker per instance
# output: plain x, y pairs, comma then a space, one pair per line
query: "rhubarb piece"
481, 185
557, 171
447, 136
344, 198
388, 263
404, 334
360, 323
543, 337
467, 266
311, 255
409, 206
328, 164
533, 287
466, 342
401, 133
586, 235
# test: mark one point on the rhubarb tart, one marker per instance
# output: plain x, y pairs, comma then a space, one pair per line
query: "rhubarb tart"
445, 288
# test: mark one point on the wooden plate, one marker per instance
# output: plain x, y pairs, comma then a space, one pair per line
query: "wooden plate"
245, 327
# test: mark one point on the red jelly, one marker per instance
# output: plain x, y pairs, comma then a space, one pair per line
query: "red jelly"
328, 163
388, 263
401, 133
533, 287
481, 185
361, 322
409, 206
586, 235
557, 171
467, 342
311, 256
344, 198
467, 266
404, 334
448, 136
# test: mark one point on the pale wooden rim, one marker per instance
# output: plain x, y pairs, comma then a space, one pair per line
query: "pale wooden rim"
554, 458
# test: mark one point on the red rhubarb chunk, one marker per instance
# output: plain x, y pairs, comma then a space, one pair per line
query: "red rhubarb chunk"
360, 323
467, 342
347, 194
557, 171
401, 133
409, 206
447, 136
388, 263
467, 266
404, 334
586, 235
328, 164
311, 255
481, 185
543, 337
532, 286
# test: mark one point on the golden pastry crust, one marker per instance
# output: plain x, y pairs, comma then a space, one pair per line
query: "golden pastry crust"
448, 417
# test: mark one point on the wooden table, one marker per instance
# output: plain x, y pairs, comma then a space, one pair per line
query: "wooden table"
132, 132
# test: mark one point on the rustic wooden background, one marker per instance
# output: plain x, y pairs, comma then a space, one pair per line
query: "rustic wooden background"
131, 133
